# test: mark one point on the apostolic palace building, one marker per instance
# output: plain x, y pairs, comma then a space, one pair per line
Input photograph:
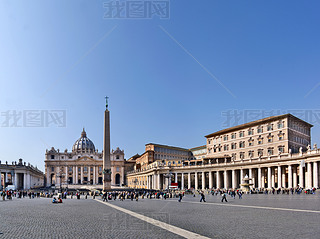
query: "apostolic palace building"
83, 166
272, 152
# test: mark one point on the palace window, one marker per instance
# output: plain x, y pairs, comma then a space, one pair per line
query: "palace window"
250, 132
260, 140
260, 152
241, 155
250, 154
233, 136
281, 149
270, 127
52, 169
250, 142
270, 151
225, 147
233, 146
270, 138
241, 134
280, 135
260, 129
241, 144
280, 124
225, 137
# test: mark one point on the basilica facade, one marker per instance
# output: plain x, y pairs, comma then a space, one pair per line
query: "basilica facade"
83, 166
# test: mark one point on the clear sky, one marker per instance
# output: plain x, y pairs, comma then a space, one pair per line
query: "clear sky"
170, 81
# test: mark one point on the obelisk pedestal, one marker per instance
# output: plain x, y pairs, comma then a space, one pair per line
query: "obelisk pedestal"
106, 152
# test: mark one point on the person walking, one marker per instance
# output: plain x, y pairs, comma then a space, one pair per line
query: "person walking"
202, 197
224, 197
180, 197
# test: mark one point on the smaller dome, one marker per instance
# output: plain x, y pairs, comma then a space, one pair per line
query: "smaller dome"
83, 144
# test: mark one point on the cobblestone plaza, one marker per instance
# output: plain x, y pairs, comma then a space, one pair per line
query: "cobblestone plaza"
254, 216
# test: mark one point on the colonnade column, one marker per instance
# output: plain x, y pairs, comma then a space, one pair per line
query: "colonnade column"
301, 184
269, 177
196, 181
182, 181
16, 179
295, 178
233, 175
284, 177
250, 174
241, 175
309, 185
289, 176
218, 179
279, 177
176, 177
189, 180
203, 181
315, 175
210, 180
159, 181
259, 178
225, 179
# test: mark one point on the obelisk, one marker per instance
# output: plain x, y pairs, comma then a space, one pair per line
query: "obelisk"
106, 151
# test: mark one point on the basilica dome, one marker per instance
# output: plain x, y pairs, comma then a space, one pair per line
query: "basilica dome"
83, 144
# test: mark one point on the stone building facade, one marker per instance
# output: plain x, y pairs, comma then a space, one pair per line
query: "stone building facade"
22, 175
82, 166
274, 152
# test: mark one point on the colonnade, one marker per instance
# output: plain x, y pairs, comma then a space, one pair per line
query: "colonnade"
260, 176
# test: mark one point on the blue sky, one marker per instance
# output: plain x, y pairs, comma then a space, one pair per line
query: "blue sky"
161, 75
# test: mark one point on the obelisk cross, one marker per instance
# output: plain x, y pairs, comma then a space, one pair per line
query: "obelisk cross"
106, 101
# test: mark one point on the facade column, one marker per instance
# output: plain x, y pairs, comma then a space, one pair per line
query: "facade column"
241, 175
176, 177
89, 174
269, 177
48, 178
189, 180
279, 177
196, 181
263, 178
218, 179
94, 175
289, 176
315, 175
182, 181
81, 174
67, 176
309, 175
259, 178
77, 175
210, 180
273, 177
122, 176
295, 178
74, 175
203, 181
301, 183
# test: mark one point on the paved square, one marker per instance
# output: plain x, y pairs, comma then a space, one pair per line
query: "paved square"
254, 216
